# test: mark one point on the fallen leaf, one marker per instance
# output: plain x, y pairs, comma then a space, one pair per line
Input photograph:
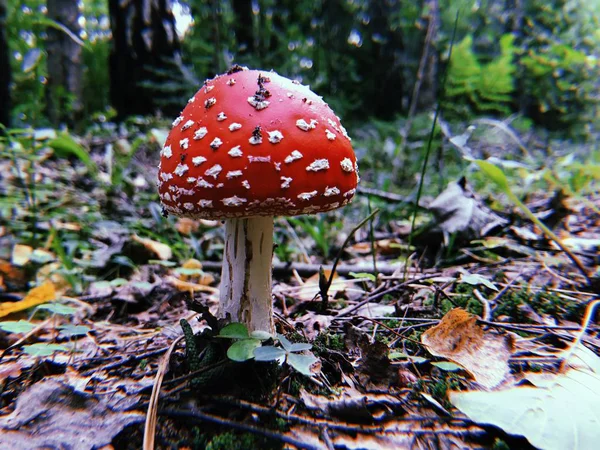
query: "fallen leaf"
11, 275
191, 271
10, 369
36, 296
21, 254
162, 251
186, 225
459, 338
457, 209
52, 414
475, 279
186, 286
310, 288
559, 412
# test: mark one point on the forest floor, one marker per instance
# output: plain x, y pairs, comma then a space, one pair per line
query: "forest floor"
469, 326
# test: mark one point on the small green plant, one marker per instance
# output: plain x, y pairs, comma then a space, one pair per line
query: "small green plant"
248, 346
320, 229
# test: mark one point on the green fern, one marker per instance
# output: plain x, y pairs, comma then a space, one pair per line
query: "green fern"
496, 84
464, 73
476, 87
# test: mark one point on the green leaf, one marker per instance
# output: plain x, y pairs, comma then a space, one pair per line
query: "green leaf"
243, 350
302, 363
402, 355
494, 173
71, 330
476, 279
21, 326
299, 347
160, 262
234, 331
40, 349
285, 343
269, 353
447, 366
188, 272
368, 276
58, 308
262, 335
64, 145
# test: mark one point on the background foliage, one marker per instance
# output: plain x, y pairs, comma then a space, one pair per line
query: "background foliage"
532, 57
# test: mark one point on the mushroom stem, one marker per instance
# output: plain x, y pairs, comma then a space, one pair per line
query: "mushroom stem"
246, 275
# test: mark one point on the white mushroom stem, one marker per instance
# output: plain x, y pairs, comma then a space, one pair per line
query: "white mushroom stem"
246, 276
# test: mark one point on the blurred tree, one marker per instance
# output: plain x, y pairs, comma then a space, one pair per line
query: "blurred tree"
145, 59
243, 29
65, 87
5, 73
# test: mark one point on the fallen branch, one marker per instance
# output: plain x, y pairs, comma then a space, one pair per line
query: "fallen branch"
310, 269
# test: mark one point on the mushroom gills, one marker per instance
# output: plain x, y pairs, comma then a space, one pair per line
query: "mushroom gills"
245, 293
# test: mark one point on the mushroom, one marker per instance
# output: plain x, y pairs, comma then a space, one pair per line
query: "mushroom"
251, 145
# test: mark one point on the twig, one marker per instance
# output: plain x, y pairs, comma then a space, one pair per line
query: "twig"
589, 314
414, 98
437, 113
487, 314
127, 360
390, 196
151, 416
204, 417
325, 289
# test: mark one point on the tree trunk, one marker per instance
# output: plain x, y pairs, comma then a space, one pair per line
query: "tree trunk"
65, 70
244, 35
145, 46
5, 73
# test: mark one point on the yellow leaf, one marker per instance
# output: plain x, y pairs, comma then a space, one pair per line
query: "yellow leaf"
41, 294
161, 250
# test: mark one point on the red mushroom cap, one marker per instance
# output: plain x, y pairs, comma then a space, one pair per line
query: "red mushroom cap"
253, 143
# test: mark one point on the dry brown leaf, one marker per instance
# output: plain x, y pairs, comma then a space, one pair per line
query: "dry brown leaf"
382, 246
460, 339
55, 414
187, 226
41, 294
163, 251
186, 286
11, 274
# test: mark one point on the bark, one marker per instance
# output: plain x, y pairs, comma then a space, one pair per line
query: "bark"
145, 44
5, 73
65, 70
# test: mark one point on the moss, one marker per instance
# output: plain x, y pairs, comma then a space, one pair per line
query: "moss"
499, 444
465, 299
328, 341
240, 441
440, 386
542, 302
